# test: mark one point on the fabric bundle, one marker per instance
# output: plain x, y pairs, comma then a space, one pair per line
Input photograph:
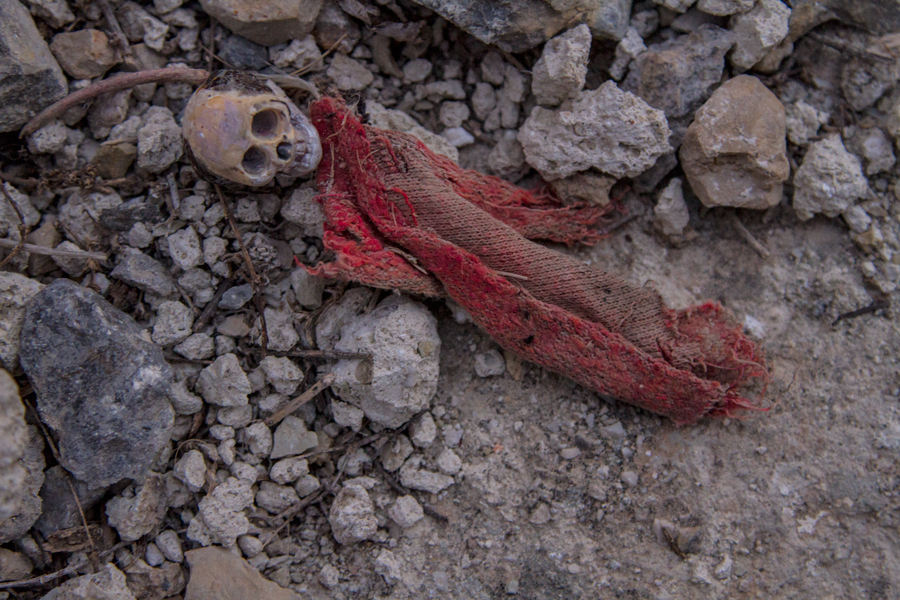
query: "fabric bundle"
401, 217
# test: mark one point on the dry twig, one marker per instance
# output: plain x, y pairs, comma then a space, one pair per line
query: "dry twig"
116, 83
748, 237
23, 229
300, 400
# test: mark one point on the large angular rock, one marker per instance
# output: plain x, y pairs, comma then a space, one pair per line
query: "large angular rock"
829, 181
266, 22
352, 515
678, 75
217, 573
100, 386
32, 80
734, 153
83, 54
607, 129
400, 380
518, 25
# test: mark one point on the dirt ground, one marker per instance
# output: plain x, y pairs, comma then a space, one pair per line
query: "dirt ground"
797, 502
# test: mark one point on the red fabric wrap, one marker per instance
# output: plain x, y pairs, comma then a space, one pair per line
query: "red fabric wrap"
401, 217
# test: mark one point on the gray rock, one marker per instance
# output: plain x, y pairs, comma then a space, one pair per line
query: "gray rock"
406, 511
299, 54
307, 485
124, 216
349, 74
518, 26
507, 159
490, 364
803, 121
829, 181
32, 79
400, 380
216, 569
677, 76
395, 120
333, 318
236, 297
352, 515
608, 129
258, 438
857, 219
13, 437
301, 209
275, 498
198, 346
243, 54
484, 99
291, 438
423, 431
628, 49
413, 476
80, 216
417, 71
191, 470
184, 248
159, 140
307, 288
148, 583
282, 373
265, 22
395, 453
100, 386
15, 292
137, 512
280, 327
288, 470
56, 13
864, 80
874, 146
671, 212
169, 544
146, 274
108, 584
224, 383
48, 139
458, 136
723, 8
878, 17
758, 31
448, 462
560, 71
173, 324
221, 518
32, 459
453, 114
734, 153
57, 508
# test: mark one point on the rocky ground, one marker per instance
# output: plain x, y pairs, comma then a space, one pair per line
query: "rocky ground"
158, 438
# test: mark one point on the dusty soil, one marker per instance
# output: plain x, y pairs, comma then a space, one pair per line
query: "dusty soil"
797, 502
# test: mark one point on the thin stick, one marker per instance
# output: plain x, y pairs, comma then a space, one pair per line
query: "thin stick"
324, 354
121, 40
300, 400
23, 230
70, 570
748, 237
43, 251
211, 306
255, 279
116, 83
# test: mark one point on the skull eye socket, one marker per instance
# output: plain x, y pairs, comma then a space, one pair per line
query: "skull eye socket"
283, 150
254, 160
265, 123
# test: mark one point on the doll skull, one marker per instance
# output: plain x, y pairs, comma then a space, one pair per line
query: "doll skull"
246, 130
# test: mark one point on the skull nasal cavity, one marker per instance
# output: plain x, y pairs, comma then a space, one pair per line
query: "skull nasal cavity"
283, 150
264, 123
254, 160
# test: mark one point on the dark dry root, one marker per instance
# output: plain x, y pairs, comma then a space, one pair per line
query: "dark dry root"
116, 83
